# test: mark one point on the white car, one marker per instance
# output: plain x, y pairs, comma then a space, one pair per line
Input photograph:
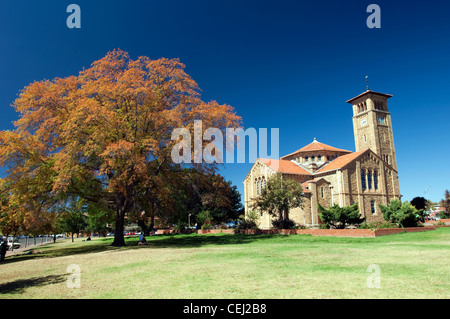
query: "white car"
10, 244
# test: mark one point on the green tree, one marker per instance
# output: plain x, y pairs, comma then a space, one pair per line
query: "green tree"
445, 202
280, 195
422, 205
340, 217
75, 220
404, 214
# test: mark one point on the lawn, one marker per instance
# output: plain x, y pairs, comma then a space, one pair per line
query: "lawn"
412, 265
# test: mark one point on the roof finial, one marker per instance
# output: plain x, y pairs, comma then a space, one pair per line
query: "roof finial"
315, 140
367, 82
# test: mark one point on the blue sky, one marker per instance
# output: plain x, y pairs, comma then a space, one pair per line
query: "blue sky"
281, 64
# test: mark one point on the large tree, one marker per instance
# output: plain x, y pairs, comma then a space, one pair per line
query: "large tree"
104, 135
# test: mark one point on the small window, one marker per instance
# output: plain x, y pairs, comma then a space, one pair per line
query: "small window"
313, 158
365, 138
381, 120
372, 207
321, 189
306, 159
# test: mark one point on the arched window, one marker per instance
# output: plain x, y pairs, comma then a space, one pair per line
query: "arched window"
375, 180
372, 206
313, 158
264, 181
363, 180
369, 180
306, 159
257, 187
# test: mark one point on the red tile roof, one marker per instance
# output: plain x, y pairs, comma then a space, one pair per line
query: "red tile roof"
317, 146
340, 162
283, 166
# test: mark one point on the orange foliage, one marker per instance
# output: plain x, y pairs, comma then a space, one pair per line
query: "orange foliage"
111, 124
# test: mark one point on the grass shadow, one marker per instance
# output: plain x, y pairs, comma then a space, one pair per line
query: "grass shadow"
18, 286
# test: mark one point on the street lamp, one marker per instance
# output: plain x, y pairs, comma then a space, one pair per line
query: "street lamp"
189, 221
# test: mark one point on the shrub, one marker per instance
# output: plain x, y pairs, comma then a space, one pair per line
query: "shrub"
403, 214
284, 224
340, 217
378, 225
245, 224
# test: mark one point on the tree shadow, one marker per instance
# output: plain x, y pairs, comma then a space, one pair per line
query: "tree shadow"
18, 286
160, 241
196, 241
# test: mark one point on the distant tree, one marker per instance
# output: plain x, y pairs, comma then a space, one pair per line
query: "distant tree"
75, 219
445, 202
404, 214
99, 218
340, 217
422, 205
280, 195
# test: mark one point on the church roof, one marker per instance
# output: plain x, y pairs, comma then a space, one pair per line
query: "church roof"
317, 146
340, 162
284, 166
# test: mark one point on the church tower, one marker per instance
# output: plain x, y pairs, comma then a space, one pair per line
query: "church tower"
372, 125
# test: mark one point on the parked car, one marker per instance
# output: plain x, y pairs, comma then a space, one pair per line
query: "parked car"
10, 245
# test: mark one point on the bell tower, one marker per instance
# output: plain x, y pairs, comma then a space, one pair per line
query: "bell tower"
372, 125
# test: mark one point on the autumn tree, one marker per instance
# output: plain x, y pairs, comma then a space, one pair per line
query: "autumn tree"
104, 135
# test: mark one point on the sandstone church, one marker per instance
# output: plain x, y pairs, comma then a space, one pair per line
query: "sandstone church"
331, 175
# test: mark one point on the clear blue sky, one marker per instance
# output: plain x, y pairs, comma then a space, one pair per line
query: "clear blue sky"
281, 64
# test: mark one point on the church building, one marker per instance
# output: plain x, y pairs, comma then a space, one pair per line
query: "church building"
331, 175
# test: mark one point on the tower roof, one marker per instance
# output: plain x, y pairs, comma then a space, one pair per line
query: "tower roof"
369, 92
317, 146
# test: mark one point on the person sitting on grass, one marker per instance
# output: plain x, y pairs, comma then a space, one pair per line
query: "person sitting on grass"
142, 240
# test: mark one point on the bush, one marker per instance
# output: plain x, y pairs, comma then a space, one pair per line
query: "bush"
340, 217
378, 225
403, 214
245, 224
284, 224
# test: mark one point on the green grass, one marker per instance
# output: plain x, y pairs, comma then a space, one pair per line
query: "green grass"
413, 265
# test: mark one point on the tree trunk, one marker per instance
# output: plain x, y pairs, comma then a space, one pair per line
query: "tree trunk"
146, 230
119, 239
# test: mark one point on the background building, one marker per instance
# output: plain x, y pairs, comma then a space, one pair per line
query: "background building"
330, 175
